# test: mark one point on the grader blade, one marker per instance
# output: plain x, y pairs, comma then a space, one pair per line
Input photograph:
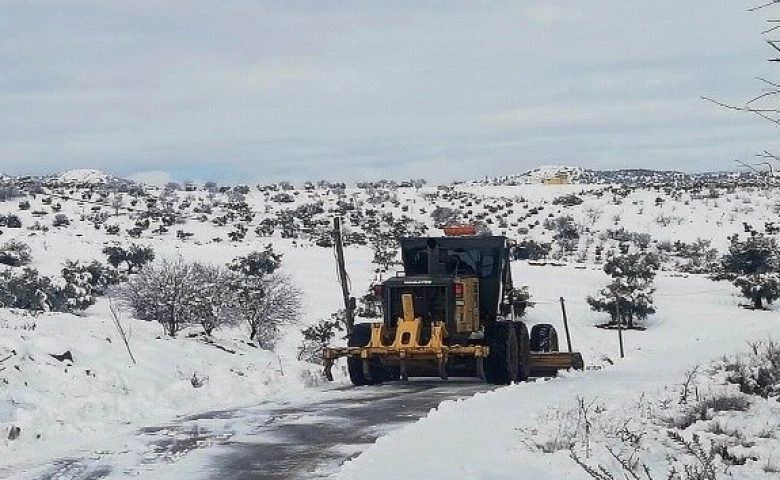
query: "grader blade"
547, 364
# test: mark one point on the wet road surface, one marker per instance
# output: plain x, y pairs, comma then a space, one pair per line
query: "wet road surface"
300, 440
312, 441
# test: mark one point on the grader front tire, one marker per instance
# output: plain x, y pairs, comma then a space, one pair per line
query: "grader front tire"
361, 334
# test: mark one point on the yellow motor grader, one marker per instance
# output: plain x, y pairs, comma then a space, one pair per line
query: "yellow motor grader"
452, 312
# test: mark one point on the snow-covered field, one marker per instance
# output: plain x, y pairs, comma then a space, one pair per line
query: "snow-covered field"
98, 401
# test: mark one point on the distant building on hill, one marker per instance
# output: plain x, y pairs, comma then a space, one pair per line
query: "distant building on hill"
560, 178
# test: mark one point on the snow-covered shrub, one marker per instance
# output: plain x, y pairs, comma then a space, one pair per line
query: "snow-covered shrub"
210, 304
318, 336
757, 373
265, 304
385, 249
76, 294
705, 409
10, 220
132, 259
28, 290
60, 220
444, 216
257, 263
567, 200
283, 198
177, 293
266, 227
699, 256
323, 239
753, 266
355, 238
25, 290
15, 253
9, 192
97, 219
263, 298
239, 233
100, 276
566, 233
632, 276
369, 305
529, 249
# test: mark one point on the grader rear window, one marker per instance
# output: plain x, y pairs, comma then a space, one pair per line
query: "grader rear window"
480, 262
430, 302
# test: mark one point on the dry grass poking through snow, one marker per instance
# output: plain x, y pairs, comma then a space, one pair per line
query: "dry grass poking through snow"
720, 421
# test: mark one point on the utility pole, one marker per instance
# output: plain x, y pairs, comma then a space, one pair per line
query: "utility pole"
619, 325
566, 325
349, 302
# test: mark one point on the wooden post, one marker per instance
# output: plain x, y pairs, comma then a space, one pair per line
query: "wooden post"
620, 326
566, 325
349, 306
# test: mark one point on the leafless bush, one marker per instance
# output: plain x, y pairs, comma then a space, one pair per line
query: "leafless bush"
703, 467
177, 293
757, 373
265, 304
697, 462
571, 426
706, 408
690, 375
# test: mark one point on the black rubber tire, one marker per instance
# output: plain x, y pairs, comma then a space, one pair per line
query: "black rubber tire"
360, 336
523, 351
501, 363
544, 338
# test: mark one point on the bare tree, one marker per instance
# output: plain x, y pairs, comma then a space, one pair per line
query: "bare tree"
765, 104
210, 296
266, 303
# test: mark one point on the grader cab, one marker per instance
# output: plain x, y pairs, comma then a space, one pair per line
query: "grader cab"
452, 312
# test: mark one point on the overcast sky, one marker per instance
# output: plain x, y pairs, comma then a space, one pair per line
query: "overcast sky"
255, 91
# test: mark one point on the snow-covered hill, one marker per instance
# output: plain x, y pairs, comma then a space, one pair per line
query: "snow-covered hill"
84, 176
100, 397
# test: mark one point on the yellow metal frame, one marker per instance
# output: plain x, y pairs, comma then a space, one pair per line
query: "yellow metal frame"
406, 345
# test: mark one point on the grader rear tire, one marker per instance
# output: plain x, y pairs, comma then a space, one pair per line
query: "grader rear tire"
361, 334
502, 361
524, 351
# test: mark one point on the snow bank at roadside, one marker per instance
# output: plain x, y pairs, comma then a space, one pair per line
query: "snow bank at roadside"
100, 398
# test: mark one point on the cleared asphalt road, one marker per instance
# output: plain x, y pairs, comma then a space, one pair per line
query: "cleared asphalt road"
312, 441
270, 441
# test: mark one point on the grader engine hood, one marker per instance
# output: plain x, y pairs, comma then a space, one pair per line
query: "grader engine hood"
452, 301
484, 258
